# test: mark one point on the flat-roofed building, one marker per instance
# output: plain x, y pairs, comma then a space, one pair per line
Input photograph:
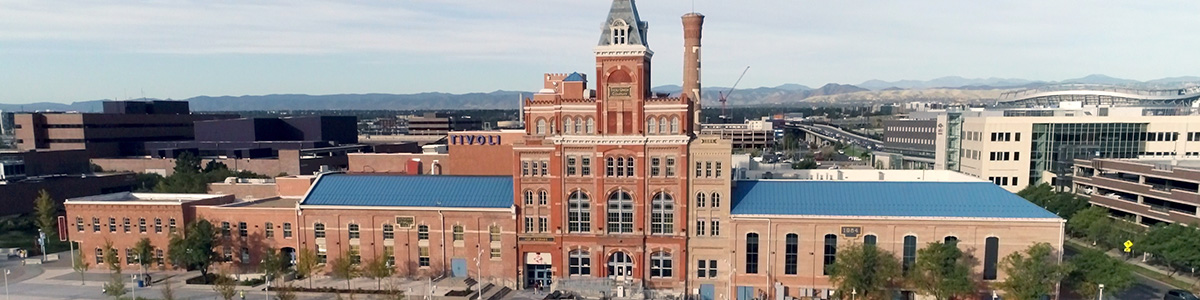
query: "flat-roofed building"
124, 218
120, 131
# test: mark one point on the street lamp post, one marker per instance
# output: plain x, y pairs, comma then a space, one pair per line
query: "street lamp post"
854, 294
134, 287
995, 296
479, 272
1101, 291
6, 283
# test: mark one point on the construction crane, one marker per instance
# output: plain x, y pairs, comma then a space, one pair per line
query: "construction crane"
724, 96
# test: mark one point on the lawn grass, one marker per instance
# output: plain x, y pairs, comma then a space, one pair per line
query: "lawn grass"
25, 240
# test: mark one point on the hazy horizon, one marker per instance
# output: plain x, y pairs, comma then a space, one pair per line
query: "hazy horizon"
66, 52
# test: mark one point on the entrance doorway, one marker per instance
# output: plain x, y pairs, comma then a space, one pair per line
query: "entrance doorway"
620, 266
537, 275
289, 256
458, 267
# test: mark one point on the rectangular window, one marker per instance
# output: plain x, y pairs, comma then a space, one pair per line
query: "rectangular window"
423, 232
715, 228
1014, 181
544, 168
1017, 137
543, 224
495, 253
585, 168
99, 256
423, 256
458, 233
79, 224
225, 229
990, 256
287, 230
708, 169
242, 232
718, 169
389, 232
700, 227
322, 254
142, 225
571, 166
629, 167
157, 225
112, 224
528, 224
751, 253
355, 254
654, 166
126, 225
524, 168
701, 268
269, 230
389, 254
790, 257
670, 167
95, 224
699, 169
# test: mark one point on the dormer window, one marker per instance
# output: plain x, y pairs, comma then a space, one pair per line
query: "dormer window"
620, 32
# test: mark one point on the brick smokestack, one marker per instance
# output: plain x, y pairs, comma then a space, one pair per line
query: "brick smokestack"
692, 25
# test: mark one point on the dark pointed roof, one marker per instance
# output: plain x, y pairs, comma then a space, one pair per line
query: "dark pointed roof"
625, 10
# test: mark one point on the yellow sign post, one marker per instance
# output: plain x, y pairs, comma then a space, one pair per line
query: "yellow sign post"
1128, 244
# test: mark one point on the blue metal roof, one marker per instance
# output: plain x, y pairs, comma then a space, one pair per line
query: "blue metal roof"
574, 77
884, 199
412, 191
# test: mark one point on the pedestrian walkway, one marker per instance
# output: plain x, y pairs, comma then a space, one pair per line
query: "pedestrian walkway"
1137, 261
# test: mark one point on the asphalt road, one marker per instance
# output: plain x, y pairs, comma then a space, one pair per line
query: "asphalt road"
1144, 288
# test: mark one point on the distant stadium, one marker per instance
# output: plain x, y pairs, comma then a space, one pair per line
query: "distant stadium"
1099, 95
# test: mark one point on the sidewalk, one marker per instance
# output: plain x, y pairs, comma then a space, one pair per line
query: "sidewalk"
1190, 279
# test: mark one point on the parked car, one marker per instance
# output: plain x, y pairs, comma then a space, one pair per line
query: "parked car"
1179, 295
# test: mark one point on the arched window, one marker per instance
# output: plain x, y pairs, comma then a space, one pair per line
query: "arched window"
542, 197
652, 126
716, 200
751, 253
579, 263
830, 252
568, 124
910, 252
660, 264
353, 229
699, 199
528, 197
609, 167
790, 249
579, 213
578, 125
619, 30
458, 233
318, 230
674, 125
662, 214
591, 125
951, 240
870, 240
991, 252
541, 127
662, 125
423, 232
620, 213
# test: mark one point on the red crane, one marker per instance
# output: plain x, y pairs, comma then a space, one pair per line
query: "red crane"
723, 97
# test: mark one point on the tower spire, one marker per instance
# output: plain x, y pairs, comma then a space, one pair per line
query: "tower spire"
623, 26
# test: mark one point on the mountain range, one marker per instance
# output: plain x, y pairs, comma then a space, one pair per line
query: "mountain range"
943, 89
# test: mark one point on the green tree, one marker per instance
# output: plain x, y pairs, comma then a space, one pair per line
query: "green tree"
195, 250
47, 213
81, 266
942, 271
187, 163
110, 257
378, 268
343, 268
116, 285
307, 264
1173, 244
272, 263
224, 285
1093, 267
867, 270
285, 292
1091, 223
144, 252
1032, 274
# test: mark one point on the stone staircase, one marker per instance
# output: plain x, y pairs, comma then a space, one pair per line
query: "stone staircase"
598, 288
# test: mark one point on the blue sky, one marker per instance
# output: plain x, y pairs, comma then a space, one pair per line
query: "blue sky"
63, 51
